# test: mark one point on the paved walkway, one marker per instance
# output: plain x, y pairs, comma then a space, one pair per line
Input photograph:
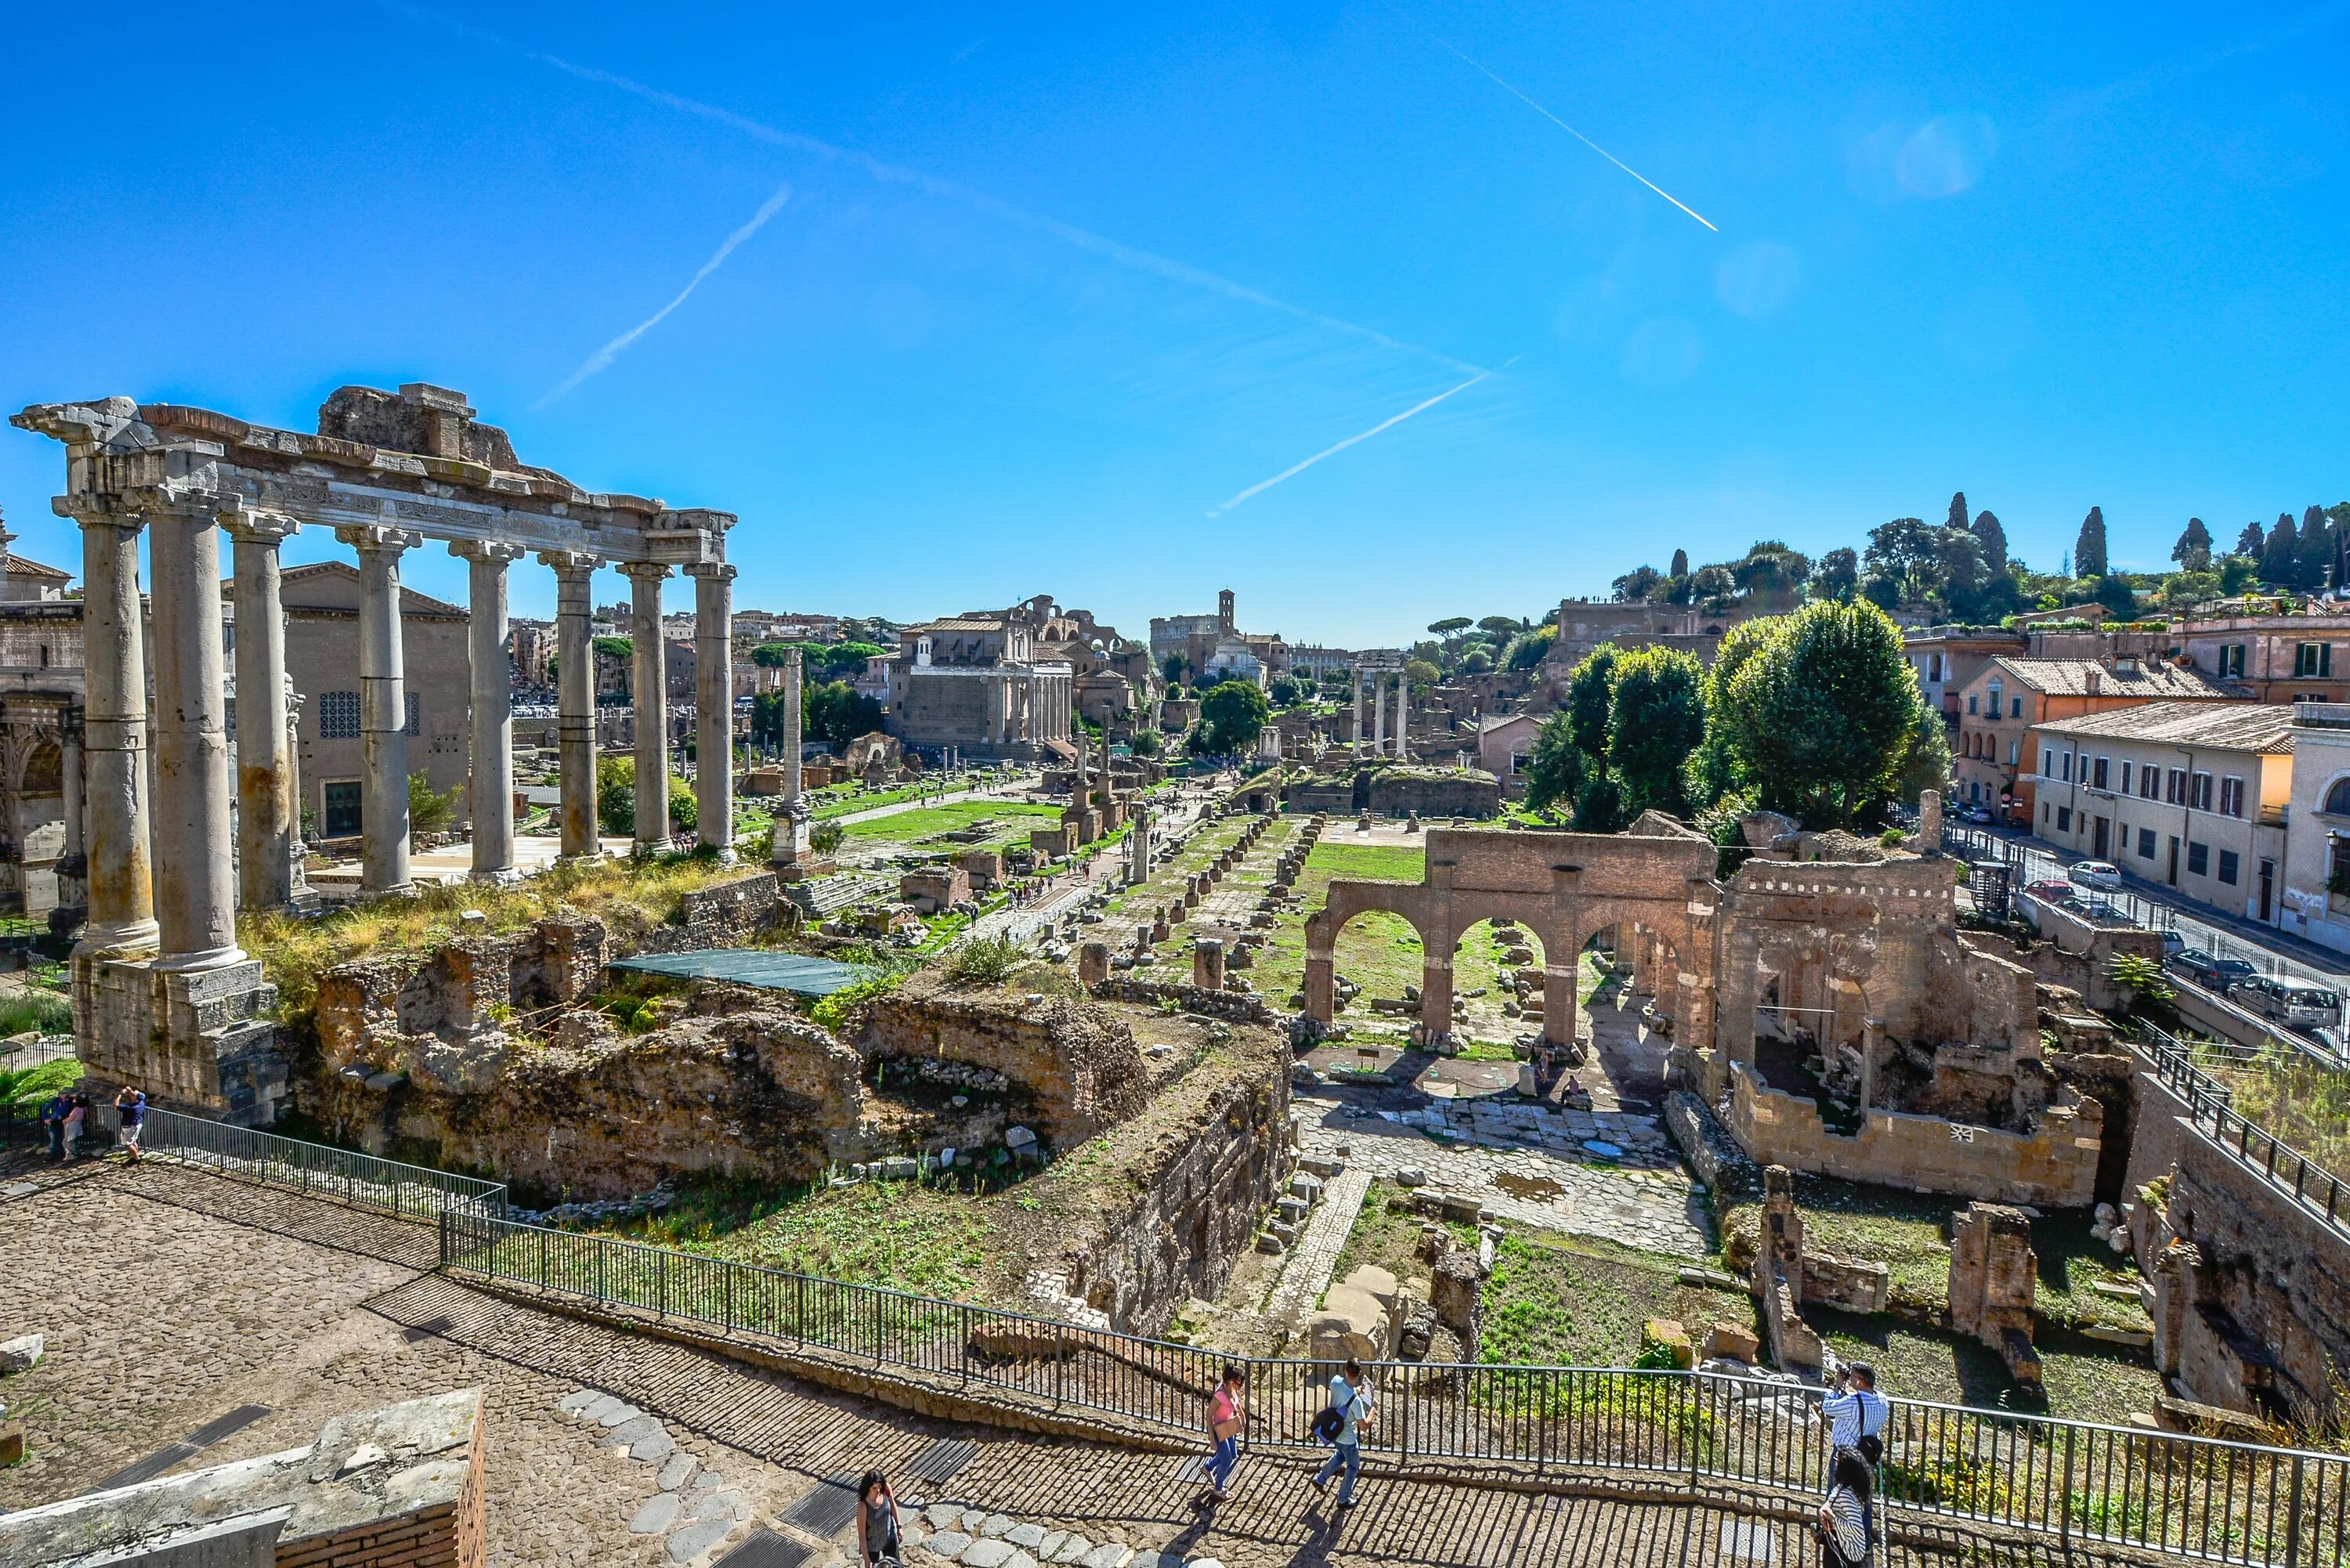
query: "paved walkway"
1306, 1269
170, 1296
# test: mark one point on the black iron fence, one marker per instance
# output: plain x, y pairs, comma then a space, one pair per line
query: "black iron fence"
409, 1192
2210, 1104
2063, 1481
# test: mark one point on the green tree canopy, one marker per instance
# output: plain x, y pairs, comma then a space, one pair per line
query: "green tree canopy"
2193, 551
1821, 715
1987, 529
1283, 691
1656, 721
623, 649
1528, 649
1450, 625
1232, 715
1556, 771
1590, 696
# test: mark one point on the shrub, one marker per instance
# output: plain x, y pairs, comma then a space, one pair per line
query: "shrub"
989, 960
427, 812
827, 836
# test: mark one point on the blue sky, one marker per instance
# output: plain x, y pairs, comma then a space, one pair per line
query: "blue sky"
1049, 290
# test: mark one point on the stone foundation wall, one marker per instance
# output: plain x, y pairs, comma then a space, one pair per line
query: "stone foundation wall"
1197, 1178
1079, 1061
1237, 1007
2054, 1166
1473, 793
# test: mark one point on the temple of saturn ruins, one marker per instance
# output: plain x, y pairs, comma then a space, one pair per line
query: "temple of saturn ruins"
164, 996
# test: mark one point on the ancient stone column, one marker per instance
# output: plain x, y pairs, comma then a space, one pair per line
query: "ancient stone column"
69, 733
1403, 717
114, 669
298, 885
1355, 736
575, 700
489, 789
383, 707
713, 706
195, 888
795, 668
1208, 963
264, 759
651, 683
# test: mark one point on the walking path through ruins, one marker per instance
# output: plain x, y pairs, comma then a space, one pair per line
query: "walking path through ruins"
1305, 1271
170, 1296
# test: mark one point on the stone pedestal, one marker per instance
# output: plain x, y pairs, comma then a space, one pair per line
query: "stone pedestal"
1208, 963
193, 1039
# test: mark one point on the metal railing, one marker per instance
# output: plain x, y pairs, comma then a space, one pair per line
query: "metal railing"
408, 1191
2064, 1480
2211, 1105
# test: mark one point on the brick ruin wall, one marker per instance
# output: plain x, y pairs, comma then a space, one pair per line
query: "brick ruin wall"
2055, 1165
1198, 1184
1080, 1063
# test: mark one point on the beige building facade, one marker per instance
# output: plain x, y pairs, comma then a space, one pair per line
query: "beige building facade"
2190, 795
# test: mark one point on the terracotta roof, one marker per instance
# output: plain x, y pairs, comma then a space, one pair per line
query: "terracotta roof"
2264, 727
25, 566
2149, 679
961, 623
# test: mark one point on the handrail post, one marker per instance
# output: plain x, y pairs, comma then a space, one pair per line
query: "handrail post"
2292, 1518
2064, 1499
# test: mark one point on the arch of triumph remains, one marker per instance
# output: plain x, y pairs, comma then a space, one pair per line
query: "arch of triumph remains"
163, 997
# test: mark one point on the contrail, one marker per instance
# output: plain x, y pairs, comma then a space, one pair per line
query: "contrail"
609, 351
1595, 147
1388, 423
945, 189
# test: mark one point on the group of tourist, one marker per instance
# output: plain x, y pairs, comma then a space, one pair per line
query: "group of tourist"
65, 1119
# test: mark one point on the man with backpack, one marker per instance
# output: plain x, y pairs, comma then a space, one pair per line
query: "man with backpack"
1857, 1413
1353, 1406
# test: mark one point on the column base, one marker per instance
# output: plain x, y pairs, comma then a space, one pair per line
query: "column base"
724, 854
494, 876
194, 963
379, 895
128, 940
591, 857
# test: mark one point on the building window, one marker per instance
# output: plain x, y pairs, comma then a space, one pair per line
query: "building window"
2231, 659
2011, 753
2045, 809
339, 717
2146, 844
2098, 774
2064, 819
2176, 794
2150, 782
415, 725
2337, 798
2202, 795
2199, 860
2314, 660
2066, 763
2228, 865
2015, 707
1972, 702
1994, 698
2232, 796
2126, 777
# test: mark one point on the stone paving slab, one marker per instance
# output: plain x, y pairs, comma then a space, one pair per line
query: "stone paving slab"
1306, 1267
1656, 1210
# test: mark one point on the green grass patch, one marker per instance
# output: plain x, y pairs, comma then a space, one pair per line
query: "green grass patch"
900, 1235
1011, 819
2084, 1382
31, 1086
44, 1011
1366, 862
1573, 1301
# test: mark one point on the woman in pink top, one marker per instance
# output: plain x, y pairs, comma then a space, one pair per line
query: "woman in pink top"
1227, 1417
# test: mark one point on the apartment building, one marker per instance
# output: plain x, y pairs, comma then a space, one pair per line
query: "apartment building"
2009, 699
2276, 657
2190, 794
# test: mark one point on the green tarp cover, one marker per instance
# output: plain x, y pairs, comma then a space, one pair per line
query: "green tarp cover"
754, 966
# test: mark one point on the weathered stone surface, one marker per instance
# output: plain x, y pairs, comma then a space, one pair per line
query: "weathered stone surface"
986, 1555
1109, 1554
1027, 1537
695, 1538
656, 1515
677, 1473
21, 1354
949, 1543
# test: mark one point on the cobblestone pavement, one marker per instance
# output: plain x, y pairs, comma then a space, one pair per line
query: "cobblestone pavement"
1305, 1270
1527, 1164
170, 1296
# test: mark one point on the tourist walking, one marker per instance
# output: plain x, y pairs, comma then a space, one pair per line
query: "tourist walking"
1857, 1413
1848, 1523
54, 1113
1354, 1403
878, 1540
77, 1123
1227, 1419
132, 1106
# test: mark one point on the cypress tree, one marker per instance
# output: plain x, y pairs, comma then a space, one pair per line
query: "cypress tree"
1994, 541
2089, 549
1958, 511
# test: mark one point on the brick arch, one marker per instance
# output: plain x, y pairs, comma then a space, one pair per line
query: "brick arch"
1347, 899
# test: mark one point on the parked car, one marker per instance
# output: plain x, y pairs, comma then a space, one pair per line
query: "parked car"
2287, 1001
1978, 814
2100, 874
2173, 944
2213, 973
2051, 890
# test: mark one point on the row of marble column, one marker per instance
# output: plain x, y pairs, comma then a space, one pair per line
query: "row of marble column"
1035, 708
183, 906
1373, 679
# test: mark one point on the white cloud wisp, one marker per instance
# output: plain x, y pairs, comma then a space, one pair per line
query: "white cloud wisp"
1388, 423
610, 351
